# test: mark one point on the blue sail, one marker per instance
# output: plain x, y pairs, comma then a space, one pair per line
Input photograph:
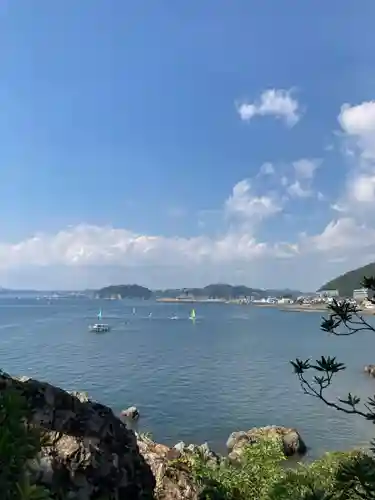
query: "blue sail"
100, 315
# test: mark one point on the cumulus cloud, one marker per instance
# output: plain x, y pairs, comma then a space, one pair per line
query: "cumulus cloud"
303, 172
342, 237
358, 132
306, 168
297, 191
267, 169
244, 204
278, 103
359, 122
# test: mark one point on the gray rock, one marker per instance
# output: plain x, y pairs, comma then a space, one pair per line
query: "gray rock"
90, 453
290, 440
235, 438
180, 446
131, 413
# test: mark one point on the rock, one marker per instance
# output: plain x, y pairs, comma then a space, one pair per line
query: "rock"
203, 450
90, 453
180, 446
370, 369
174, 480
290, 439
131, 413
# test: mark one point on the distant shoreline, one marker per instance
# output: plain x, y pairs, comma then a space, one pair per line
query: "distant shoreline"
190, 300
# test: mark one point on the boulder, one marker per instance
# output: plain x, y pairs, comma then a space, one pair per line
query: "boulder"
174, 480
131, 413
88, 453
290, 439
370, 369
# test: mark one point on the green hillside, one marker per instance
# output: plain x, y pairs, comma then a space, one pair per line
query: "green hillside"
124, 291
351, 280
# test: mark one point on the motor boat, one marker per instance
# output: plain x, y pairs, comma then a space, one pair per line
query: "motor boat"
99, 328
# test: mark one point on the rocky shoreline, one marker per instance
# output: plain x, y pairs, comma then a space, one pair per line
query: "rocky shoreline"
168, 464
90, 453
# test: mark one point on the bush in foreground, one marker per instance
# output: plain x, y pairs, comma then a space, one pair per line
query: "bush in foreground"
263, 476
20, 444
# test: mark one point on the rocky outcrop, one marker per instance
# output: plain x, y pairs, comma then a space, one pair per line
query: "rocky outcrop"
370, 369
174, 480
89, 453
289, 438
203, 450
131, 413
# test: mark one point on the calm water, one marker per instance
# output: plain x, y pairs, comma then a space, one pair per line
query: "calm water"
196, 382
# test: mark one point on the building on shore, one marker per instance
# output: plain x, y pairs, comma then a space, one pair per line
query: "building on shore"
361, 294
328, 293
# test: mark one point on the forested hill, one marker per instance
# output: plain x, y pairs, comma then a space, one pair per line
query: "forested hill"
346, 283
225, 291
124, 292
215, 291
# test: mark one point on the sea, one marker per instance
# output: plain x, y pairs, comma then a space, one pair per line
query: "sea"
192, 381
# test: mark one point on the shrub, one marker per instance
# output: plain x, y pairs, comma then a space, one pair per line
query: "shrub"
262, 476
20, 444
254, 477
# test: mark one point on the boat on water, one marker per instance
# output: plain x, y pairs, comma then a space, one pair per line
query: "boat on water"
99, 327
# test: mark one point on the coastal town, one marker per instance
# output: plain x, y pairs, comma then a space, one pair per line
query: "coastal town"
362, 297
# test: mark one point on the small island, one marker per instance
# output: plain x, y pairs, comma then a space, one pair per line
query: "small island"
124, 292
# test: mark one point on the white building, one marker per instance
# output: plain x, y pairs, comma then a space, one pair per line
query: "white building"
363, 293
329, 293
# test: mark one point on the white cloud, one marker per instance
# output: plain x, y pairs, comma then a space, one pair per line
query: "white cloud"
243, 203
306, 168
342, 236
267, 169
363, 188
358, 132
297, 191
359, 119
272, 102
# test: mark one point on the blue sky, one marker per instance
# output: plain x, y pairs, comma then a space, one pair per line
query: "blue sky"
126, 127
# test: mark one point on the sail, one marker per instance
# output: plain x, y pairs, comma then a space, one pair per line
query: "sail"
100, 315
192, 314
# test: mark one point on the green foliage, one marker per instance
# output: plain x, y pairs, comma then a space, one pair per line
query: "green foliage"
254, 477
19, 445
336, 476
261, 475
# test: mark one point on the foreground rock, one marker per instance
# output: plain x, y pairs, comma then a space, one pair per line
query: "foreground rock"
174, 480
131, 413
289, 438
370, 369
90, 453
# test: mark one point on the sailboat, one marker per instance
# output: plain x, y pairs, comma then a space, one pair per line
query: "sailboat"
99, 327
192, 315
